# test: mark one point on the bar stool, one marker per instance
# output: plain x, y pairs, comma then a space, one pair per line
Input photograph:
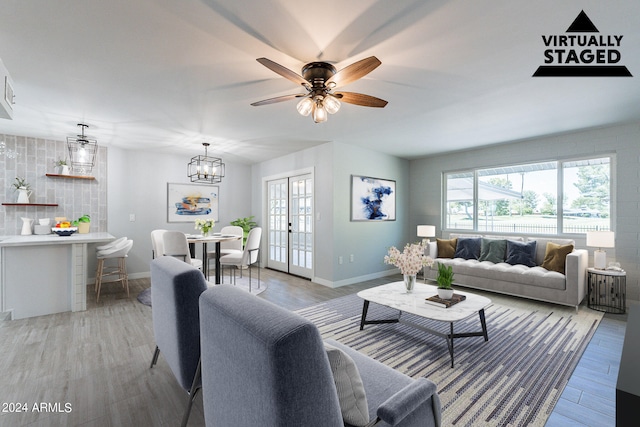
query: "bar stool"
119, 253
111, 244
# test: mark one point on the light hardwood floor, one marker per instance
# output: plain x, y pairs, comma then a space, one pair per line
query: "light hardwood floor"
92, 368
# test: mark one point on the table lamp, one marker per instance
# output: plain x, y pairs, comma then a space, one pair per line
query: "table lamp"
426, 231
600, 239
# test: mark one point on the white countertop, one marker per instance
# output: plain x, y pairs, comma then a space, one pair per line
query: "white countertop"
54, 239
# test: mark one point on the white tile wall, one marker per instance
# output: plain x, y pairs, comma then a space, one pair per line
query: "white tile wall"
74, 197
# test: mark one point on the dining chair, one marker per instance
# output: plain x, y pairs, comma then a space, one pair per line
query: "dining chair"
247, 257
175, 244
157, 243
118, 253
231, 246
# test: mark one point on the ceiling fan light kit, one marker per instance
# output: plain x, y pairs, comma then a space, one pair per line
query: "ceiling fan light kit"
206, 169
320, 79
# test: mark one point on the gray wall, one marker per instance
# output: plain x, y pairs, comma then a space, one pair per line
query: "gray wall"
426, 188
138, 185
335, 235
75, 197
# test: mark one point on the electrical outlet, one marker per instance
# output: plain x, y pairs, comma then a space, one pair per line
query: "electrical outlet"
351, 258
132, 217
340, 260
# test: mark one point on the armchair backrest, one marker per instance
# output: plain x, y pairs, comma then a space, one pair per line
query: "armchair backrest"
175, 289
262, 364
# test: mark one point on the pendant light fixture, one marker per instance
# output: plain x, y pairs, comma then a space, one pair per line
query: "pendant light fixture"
205, 169
82, 152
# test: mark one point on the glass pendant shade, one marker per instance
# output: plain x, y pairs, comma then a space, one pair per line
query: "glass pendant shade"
319, 113
205, 168
331, 104
305, 106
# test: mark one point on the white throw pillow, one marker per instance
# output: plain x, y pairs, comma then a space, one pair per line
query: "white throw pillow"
353, 401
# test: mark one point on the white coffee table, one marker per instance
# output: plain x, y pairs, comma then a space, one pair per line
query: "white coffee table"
394, 295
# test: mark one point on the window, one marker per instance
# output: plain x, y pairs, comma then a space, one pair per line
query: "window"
525, 198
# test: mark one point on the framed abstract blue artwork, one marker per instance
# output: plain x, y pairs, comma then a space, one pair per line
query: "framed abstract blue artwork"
187, 202
372, 199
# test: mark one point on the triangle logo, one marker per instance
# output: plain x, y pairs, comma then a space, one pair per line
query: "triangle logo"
582, 24
582, 51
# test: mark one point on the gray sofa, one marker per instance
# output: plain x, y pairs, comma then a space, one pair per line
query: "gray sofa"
519, 280
264, 365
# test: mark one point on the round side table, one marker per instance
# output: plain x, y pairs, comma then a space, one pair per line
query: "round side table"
607, 290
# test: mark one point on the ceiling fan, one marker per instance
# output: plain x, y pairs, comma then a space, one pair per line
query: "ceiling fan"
320, 79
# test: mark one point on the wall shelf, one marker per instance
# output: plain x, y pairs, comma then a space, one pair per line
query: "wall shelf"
29, 204
55, 175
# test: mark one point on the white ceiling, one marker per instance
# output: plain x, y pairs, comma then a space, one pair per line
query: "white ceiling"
168, 75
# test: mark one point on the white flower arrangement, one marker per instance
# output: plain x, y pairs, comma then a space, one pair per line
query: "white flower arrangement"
411, 260
205, 224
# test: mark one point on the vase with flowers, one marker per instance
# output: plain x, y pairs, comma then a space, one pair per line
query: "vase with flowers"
411, 260
205, 225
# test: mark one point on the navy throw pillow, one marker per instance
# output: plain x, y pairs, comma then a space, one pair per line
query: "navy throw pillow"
521, 253
468, 248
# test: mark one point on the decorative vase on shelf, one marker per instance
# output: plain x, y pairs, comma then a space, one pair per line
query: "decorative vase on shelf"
64, 170
23, 195
409, 282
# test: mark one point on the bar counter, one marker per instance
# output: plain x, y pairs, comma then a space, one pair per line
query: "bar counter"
45, 274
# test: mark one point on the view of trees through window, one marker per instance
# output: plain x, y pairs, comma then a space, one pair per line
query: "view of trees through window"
524, 198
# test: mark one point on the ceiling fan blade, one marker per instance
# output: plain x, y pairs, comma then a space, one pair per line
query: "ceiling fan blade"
353, 72
278, 99
284, 72
360, 99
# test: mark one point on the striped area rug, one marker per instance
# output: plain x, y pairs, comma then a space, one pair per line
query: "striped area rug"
514, 379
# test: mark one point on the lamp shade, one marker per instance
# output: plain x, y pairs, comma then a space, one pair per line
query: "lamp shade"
601, 239
426, 230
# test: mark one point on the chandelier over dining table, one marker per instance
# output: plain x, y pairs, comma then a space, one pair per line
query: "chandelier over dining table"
206, 169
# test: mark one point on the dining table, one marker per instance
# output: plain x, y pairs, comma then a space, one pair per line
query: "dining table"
192, 239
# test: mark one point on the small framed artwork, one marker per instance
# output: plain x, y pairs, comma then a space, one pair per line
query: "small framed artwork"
372, 199
188, 202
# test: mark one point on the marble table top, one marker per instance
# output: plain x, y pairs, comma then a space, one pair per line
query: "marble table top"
395, 295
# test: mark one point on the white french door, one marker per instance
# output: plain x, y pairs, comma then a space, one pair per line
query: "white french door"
290, 234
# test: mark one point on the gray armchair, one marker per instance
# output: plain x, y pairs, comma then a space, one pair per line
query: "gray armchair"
175, 289
264, 365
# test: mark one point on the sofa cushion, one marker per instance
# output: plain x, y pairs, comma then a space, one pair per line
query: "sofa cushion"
521, 253
541, 246
446, 248
468, 248
493, 250
349, 386
556, 256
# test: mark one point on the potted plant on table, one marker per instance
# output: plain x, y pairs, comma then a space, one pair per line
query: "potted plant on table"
83, 223
445, 279
411, 260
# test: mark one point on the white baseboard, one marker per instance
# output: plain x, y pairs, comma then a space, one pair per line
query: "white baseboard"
353, 280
